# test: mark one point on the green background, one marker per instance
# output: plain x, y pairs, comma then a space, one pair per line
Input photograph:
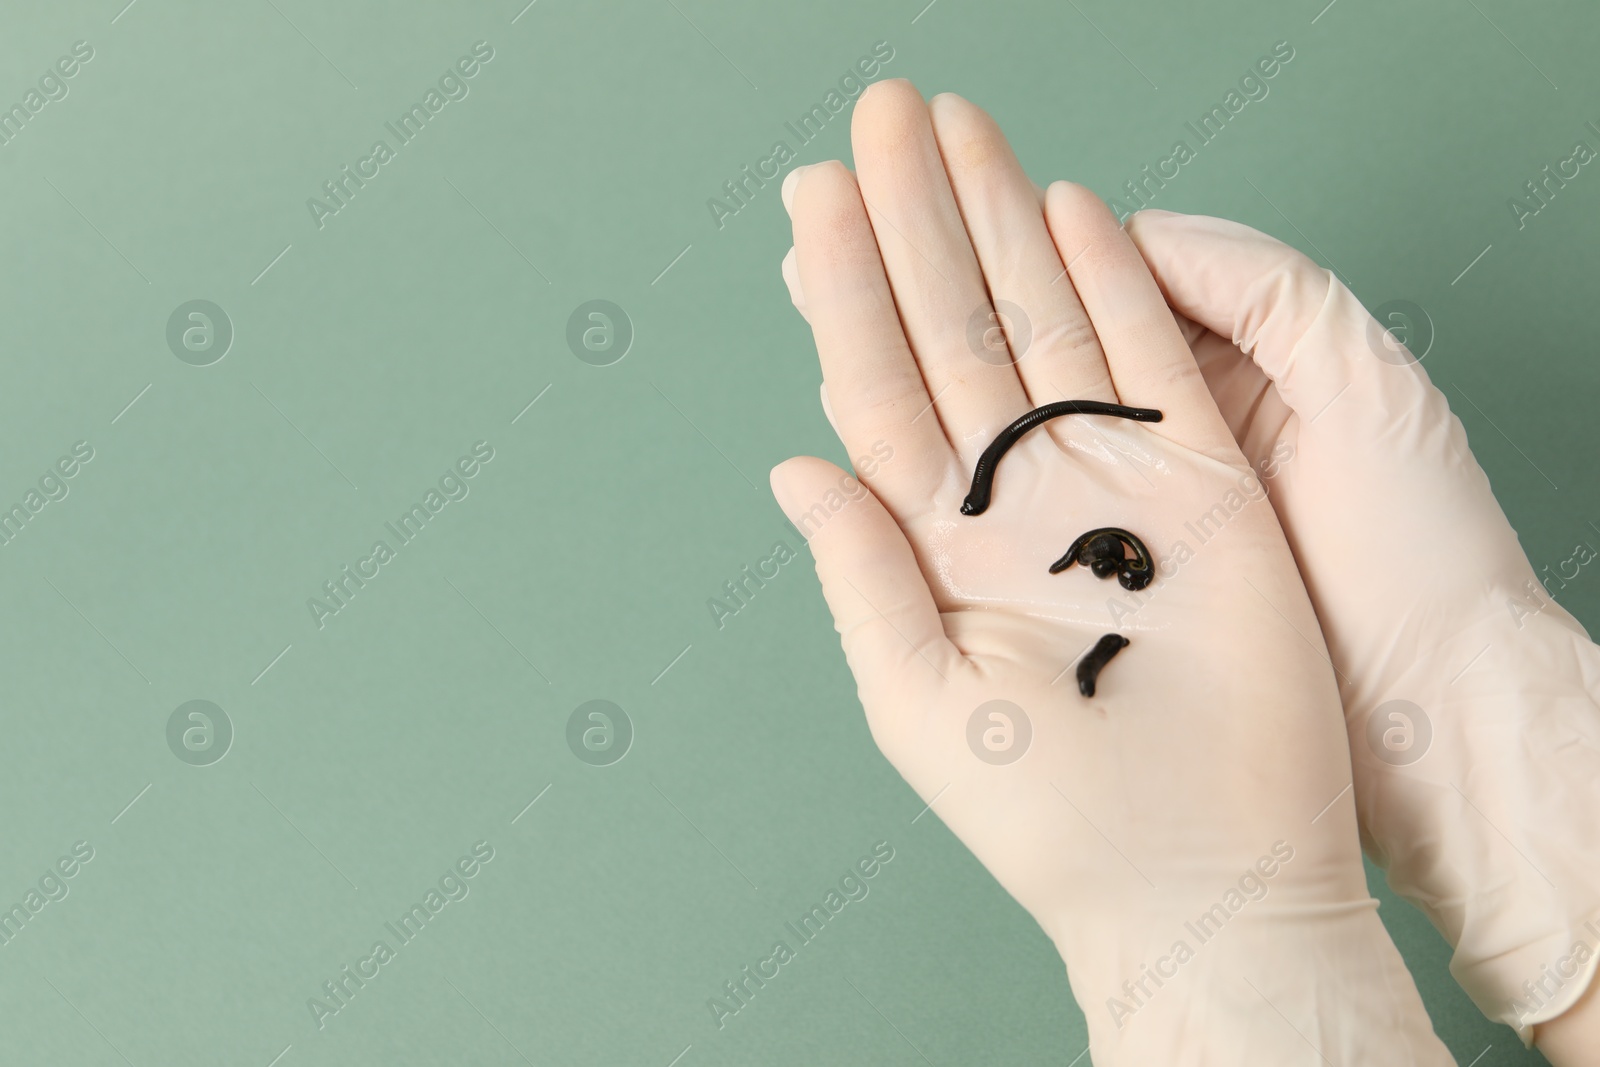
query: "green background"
423, 317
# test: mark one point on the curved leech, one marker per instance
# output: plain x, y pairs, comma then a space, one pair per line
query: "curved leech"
1101, 551
977, 500
1094, 661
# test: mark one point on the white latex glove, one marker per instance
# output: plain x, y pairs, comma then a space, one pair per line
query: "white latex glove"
1201, 798
1492, 824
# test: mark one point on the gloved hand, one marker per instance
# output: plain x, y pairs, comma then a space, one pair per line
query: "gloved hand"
1469, 693
1186, 836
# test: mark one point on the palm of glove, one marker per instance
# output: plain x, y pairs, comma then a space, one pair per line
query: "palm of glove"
1107, 798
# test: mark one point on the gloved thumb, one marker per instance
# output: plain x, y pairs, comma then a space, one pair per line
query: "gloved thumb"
1303, 328
888, 623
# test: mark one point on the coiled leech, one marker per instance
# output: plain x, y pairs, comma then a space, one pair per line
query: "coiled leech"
1100, 550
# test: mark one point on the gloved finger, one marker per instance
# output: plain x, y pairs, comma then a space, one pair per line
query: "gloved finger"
791, 278
1256, 415
1151, 365
877, 391
938, 286
786, 190
1274, 303
827, 410
888, 623
1047, 333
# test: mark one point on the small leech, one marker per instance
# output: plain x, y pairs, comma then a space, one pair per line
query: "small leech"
1102, 551
977, 501
1095, 660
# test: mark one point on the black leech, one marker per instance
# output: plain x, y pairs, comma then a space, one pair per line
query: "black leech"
1095, 660
977, 501
1102, 552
